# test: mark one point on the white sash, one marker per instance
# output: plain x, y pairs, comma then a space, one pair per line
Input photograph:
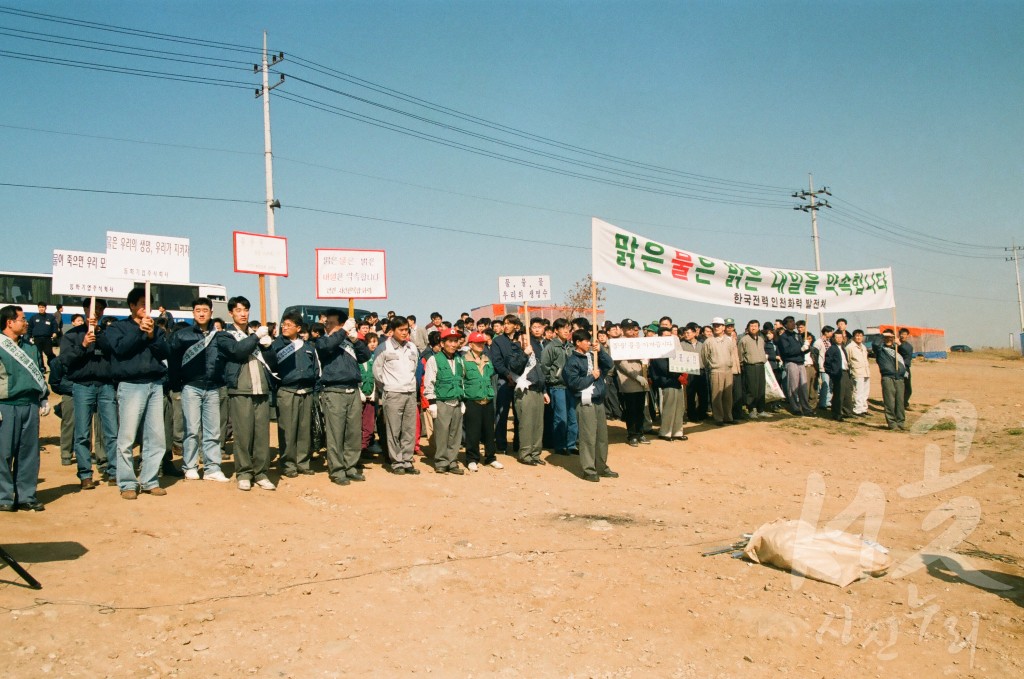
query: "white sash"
197, 348
239, 335
288, 349
26, 362
523, 383
587, 395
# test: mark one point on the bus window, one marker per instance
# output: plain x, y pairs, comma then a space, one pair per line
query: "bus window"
24, 289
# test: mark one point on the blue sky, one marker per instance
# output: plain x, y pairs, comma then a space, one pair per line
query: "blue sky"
908, 111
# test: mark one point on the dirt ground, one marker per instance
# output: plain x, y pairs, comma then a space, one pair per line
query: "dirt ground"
531, 572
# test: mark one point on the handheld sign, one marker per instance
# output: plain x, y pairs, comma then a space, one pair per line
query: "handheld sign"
141, 257
260, 254
351, 274
684, 362
85, 274
525, 289
638, 348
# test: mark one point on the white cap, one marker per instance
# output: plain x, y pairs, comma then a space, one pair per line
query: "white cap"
717, 320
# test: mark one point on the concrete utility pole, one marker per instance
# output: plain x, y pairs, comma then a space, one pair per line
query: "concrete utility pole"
1015, 249
268, 155
813, 206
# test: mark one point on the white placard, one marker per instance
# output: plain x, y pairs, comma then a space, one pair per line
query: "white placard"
141, 257
684, 362
261, 254
527, 289
635, 348
85, 274
351, 274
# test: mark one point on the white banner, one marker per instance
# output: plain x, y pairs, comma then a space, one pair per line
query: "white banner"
261, 254
512, 289
685, 362
633, 261
351, 274
636, 348
85, 274
140, 257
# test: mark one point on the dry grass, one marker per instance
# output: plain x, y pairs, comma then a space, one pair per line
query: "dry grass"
996, 353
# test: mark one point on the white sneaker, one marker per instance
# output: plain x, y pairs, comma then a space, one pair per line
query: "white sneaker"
753, 414
192, 474
766, 415
216, 476
265, 484
244, 484
497, 465
473, 466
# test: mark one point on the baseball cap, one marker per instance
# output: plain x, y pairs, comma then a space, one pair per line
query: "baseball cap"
730, 321
477, 338
628, 323
450, 332
717, 320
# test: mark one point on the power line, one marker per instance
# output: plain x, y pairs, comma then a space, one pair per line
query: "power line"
132, 193
874, 221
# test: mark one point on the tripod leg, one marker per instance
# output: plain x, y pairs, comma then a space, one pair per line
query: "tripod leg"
25, 575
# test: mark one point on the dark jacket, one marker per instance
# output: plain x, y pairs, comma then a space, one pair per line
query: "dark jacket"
661, 377
508, 358
340, 359
299, 370
85, 365
577, 377
59, 382
133, 356
834, 360
886, 359
239, 355
205, 371
790, 347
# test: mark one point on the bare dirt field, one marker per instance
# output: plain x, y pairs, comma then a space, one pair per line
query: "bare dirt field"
531, 572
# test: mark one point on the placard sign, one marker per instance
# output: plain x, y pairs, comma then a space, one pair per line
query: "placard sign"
261, 254
636, 348
684, 362
85, 274
351, 274
139, 257
512, 289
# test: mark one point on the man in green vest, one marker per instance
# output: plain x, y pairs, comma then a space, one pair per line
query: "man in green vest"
444, 388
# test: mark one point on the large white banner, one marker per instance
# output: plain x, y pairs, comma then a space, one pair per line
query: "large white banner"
624, 258
351, 274
85, 274
140, 257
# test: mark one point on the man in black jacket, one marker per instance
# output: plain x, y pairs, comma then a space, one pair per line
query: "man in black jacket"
793, 349
509, 359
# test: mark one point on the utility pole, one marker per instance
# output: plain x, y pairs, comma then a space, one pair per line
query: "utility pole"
813, 206
268, 155
1015, 249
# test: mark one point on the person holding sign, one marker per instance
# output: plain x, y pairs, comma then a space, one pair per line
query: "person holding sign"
138, 350
444, 387
199, 355
93, 392
340, 352
248, 380
584, 374
892, 358
670, 390
23, 400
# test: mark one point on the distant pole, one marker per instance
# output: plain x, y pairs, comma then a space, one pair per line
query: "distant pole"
269, 161
1016, 269
812, 206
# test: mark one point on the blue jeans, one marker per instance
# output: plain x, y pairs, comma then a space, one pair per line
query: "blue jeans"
564, 427
201, 408
89, 399
824, 391
140, 404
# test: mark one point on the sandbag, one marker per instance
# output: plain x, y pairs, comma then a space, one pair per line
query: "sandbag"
829, 556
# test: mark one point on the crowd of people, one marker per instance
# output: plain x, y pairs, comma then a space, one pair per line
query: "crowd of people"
344, 391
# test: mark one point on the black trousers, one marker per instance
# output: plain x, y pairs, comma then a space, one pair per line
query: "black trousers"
633, 412
45, 346
840, 394
907, 390
696, 398
479, 426
753, 386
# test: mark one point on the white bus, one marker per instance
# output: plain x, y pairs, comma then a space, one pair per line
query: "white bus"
30, 289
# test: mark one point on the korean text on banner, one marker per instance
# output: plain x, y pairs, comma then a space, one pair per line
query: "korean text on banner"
261, 254
526, 289
351, 274
633, 261
85, 274
138, 257
636, 348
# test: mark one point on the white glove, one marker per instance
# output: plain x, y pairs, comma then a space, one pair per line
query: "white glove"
262, 332
462, 408
349, 326
805, 346
432, 410
643, 381
44, 409
265, 340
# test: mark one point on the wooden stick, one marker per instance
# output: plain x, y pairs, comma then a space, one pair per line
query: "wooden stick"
148, 298
263, 299
351, 307
92, 314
